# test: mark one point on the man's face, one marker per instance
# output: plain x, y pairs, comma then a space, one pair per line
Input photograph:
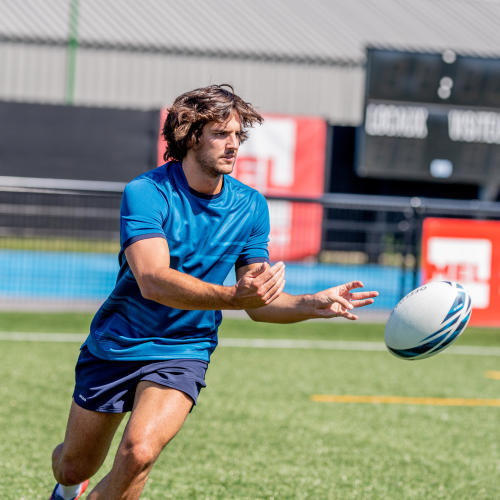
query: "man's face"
218, 146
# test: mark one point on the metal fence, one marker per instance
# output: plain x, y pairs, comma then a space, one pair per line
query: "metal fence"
59, 245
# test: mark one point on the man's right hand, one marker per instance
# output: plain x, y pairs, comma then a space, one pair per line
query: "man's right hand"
260, 285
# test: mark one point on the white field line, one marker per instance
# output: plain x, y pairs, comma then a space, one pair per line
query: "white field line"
42, 337
334, 345
341, 345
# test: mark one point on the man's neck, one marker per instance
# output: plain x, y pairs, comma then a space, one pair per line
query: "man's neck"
201, 182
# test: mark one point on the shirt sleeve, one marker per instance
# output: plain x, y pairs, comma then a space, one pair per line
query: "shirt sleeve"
256, 248
142, 212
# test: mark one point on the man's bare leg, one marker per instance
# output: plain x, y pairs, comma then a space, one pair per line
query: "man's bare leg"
157, 416
86, 444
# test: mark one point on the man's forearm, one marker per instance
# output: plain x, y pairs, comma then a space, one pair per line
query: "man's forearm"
149, 261
285, 309
182, 291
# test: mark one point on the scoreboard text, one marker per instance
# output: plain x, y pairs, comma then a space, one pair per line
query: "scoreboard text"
431, 117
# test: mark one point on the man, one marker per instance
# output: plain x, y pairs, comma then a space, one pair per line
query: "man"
184, 226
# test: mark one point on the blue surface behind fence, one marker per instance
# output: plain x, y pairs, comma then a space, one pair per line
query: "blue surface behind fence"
72, 276
57, 275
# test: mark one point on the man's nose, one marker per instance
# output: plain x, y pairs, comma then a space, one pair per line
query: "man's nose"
233, 141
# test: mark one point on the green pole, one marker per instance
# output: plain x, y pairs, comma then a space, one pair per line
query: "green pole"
72, 50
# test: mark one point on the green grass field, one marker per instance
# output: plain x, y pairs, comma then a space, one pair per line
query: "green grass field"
256, 433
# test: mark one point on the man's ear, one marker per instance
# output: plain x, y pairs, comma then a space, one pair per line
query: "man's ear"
194, 138
191, 141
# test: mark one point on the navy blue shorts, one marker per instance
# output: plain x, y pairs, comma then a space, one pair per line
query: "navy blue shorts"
109, 386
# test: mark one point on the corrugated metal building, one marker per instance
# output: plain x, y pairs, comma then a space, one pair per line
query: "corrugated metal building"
285, 56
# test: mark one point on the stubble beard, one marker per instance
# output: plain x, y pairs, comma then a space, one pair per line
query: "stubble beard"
209, 166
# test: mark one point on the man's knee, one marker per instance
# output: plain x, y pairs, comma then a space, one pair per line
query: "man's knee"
70, 470
138, 457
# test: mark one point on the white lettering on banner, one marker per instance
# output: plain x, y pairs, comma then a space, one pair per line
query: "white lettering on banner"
396, 121
474, 126
267, 159
465, 260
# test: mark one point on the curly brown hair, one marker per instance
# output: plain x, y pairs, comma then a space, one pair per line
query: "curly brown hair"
192, 110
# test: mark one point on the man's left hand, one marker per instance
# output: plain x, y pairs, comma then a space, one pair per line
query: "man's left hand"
340, 301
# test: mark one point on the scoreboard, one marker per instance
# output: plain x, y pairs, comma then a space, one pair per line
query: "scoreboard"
431, 117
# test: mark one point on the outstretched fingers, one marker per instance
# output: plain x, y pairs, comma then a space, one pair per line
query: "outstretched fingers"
361, 299
351, 285
348, 315
337, 299
337, 307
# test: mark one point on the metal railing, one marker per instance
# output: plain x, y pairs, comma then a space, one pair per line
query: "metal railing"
59, 239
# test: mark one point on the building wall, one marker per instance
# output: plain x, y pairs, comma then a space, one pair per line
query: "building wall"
149, 80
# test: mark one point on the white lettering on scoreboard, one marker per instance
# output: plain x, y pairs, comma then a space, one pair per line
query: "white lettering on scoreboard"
474, 126
410, 122
396, 121
465, 260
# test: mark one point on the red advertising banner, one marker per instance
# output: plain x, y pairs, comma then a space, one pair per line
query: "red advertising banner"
285, 156
466, 251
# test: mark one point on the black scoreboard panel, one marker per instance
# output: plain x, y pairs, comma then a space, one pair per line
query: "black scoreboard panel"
433, 117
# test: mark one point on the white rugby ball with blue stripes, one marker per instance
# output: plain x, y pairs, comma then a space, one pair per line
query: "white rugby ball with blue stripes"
428, 320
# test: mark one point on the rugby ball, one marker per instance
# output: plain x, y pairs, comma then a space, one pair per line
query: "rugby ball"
428, 320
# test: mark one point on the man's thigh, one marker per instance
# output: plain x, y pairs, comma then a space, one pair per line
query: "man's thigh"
89, 434
156, 417
158, 414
